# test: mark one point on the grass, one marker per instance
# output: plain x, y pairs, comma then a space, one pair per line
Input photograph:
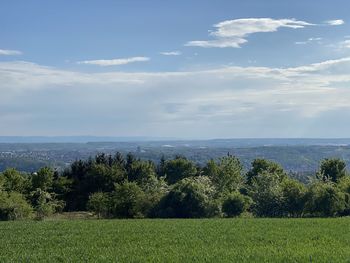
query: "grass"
197, 240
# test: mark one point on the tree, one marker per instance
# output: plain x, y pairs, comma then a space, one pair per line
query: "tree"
261, 165
99, 204
62, 186
293, 197
344, 185
225, 175
43, 179
142, 172
266, 192
13, 181
332, 170
235, 204
45, 203
127, 201
13, 206
130, 159
102, 177
189, 198
325, 199
179, 168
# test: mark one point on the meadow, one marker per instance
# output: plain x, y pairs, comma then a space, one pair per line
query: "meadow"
176, 240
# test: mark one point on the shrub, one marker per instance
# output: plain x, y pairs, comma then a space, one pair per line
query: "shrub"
127, 201
178, 169
189, 198
45, 203
266, 192
235, 204
13, 206
99, 204
325, 199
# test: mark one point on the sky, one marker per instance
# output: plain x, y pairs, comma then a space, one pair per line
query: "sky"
195, 69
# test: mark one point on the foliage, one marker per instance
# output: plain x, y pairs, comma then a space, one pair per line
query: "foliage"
114, 186
235, 204
99, 204
127, 201
45, 203
189, 198
325, 199
42, 179
266, 192
264, 166
179, 168
332, 170
13, 181
293, 197
13, 206
226, 175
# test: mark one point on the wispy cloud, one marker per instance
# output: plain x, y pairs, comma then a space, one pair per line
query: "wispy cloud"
233, 33
171, 53
336, 22
9, 52
310, 40
114, 62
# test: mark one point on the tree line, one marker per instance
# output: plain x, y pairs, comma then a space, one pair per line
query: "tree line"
126, 187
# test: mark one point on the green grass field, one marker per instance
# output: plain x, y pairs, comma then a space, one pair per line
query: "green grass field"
197, 240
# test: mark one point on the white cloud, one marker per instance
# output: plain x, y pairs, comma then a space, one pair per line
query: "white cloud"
171, 53
233, 33
8, 52
221, 43
222, 102
114, 62
336, 22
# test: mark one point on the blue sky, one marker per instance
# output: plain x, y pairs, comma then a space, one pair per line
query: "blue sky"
186, 69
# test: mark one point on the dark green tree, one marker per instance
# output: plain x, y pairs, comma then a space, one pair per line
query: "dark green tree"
43, 179
191, 197
325, 199
235, 204
14, 181
179, 168
261, 165
127, 201
332, 170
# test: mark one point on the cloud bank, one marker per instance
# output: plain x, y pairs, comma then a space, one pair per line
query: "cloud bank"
305, 101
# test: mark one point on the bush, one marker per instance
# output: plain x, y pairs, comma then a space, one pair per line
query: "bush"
293, 197
99, 204
226, 175
13, 181
325, 199
235, 204
13, 206
127, 201
45, 203
189, 198
178, 169
266, 192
